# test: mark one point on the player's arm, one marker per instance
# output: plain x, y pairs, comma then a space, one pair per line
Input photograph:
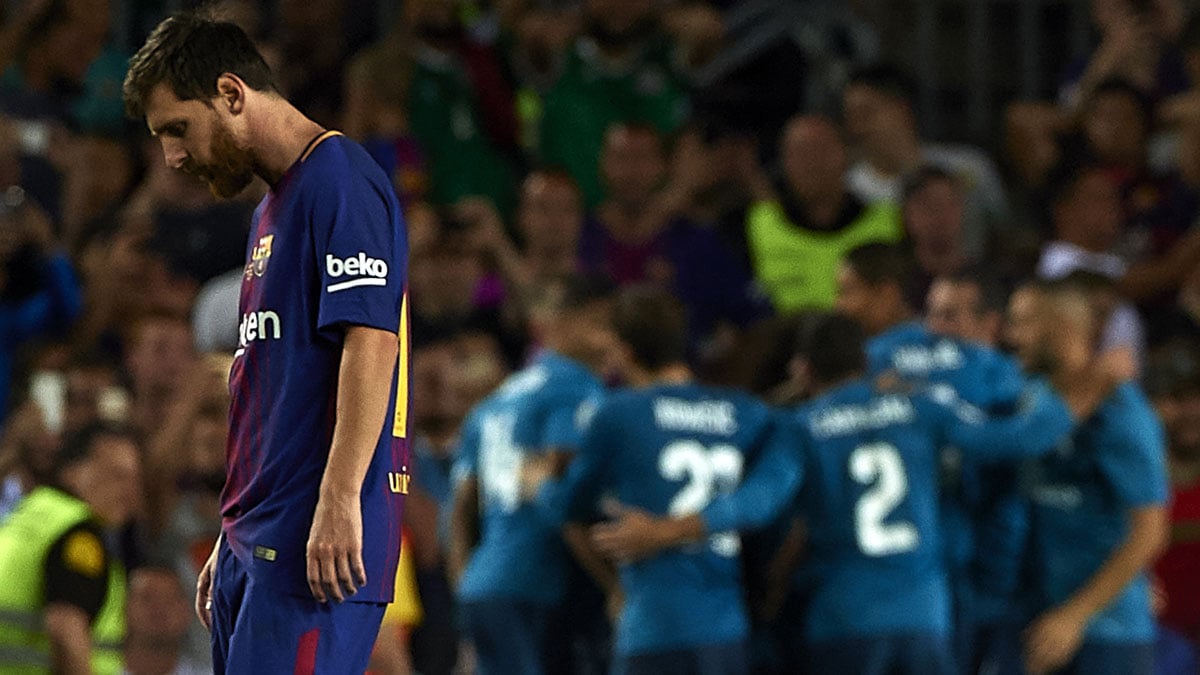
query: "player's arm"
76, 574
335, 566
1042, 421
761, 496
1132, 457
465, 508
464, 526
1056, 635
575, 500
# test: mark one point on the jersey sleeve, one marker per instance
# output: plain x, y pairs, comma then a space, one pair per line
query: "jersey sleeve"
767, 489
467, 457
563, 429
77, 570
360, 254
1041, 422
1007, 385
1132, 454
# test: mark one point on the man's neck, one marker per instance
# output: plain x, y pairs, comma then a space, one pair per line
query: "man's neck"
823, 210
283, 134
899, 317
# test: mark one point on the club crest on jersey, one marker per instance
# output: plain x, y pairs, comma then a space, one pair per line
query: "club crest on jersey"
259, 257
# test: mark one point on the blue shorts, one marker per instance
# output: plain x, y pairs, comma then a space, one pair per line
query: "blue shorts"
914, 654
263, 630
510, 636
725, 659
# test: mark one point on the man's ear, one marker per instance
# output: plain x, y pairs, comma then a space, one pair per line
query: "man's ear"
231, 93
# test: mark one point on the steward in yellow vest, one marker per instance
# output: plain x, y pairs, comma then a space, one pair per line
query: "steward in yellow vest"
798, 232
62, 594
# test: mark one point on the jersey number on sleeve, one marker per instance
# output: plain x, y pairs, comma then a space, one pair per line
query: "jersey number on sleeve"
879, 466
708, 471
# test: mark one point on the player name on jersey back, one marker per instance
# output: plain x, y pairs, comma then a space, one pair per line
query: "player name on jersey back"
846, 420
703, 417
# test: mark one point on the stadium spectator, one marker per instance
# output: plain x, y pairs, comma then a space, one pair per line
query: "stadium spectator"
1136, 41
619, 68
1173, 380
62, 68
64, 596
378, 83
158, 357
460, 109
39, 293
157, 617
878, 104
798, 232
636, 236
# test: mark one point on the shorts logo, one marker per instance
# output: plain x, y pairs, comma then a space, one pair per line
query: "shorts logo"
368, 271
264, 553
259, 257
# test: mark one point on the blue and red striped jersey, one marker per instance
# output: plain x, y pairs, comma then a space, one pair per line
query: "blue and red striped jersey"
328, 250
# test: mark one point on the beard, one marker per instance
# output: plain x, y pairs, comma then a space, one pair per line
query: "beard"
231, 169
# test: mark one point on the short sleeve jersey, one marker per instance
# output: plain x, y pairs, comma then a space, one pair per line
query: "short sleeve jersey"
671, 450
327, 251
520, 553
1082, 494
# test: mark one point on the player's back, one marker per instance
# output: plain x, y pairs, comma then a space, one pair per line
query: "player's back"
676, 447
981, 376
520, 554
1082, 495
985, 519
870, 498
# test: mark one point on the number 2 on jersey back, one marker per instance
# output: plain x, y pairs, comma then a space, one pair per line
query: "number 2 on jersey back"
879, 466
707, 470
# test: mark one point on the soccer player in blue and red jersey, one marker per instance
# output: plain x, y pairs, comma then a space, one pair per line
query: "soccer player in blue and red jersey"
317, 459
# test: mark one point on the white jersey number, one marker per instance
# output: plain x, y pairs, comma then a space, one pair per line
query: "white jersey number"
708, 472
879, 466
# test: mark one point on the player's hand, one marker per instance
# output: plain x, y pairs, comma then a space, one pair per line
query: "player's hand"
204, 589
632, 535
334, 553
1053, 639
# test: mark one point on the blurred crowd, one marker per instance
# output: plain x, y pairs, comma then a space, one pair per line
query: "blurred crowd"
529, 138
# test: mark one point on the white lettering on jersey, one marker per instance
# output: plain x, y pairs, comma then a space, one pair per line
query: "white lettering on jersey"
368, 271
851, 419
705, 417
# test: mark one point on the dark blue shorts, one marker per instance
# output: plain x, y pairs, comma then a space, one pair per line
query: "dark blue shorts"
263, 630
916, 654
726, 659
510, 636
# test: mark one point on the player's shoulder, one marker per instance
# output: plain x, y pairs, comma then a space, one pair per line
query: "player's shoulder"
1128, 407
338, 160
